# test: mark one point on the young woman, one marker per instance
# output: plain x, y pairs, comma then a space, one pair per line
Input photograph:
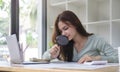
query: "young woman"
82, 46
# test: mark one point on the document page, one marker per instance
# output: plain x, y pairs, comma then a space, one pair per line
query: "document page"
96, 62
71, 65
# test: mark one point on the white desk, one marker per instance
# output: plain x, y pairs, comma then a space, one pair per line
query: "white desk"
55, 68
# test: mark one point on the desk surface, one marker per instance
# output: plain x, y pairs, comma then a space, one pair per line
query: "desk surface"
39, 68
21, 69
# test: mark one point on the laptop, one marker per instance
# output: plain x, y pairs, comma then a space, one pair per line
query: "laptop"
16, 53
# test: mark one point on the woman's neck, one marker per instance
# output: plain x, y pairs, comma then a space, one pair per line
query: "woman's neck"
79, 42
79, 39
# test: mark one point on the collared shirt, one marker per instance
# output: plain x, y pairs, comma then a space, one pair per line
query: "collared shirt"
95, 46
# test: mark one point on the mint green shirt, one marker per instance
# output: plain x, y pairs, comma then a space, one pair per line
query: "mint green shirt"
94, 46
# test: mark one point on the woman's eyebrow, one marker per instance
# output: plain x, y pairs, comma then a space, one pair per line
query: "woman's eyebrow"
64, 27
60, 30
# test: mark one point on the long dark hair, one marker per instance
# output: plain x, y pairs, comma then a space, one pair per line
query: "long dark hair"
66, 52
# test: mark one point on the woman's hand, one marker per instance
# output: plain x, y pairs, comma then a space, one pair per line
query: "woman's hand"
54, 51
89, 58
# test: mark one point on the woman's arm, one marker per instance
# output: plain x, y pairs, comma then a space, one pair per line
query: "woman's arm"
108, 52
105, 51
47, 55
52, 53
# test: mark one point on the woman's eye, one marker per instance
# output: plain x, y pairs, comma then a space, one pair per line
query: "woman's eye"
65, 28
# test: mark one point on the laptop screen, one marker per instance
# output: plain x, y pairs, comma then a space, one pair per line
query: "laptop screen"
16, 55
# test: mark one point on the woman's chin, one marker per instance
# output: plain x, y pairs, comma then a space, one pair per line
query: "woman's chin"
69, 39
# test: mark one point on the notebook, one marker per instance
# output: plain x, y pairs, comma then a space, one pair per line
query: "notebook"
16, 53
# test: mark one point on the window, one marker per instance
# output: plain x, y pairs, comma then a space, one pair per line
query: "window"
30, 27
4, 26
27, 22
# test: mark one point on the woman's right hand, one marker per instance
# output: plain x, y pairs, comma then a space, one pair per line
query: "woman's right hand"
54, 51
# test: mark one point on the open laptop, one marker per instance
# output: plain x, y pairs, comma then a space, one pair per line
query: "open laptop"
16, 53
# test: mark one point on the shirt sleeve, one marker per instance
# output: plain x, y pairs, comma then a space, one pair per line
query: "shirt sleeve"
47, 55
108, 52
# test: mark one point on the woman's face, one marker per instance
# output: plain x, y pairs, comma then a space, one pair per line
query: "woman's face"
67, 29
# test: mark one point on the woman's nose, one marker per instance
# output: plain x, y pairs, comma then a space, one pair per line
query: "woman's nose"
64, 33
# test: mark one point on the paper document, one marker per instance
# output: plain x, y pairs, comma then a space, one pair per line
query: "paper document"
71, 65
96, 62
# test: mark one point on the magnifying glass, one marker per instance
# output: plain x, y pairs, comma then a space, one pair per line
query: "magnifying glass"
62, 40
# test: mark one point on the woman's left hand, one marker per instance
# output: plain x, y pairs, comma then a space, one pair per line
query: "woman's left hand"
88, 58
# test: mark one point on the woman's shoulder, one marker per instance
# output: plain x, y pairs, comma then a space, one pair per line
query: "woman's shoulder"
96, 38
97, 41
